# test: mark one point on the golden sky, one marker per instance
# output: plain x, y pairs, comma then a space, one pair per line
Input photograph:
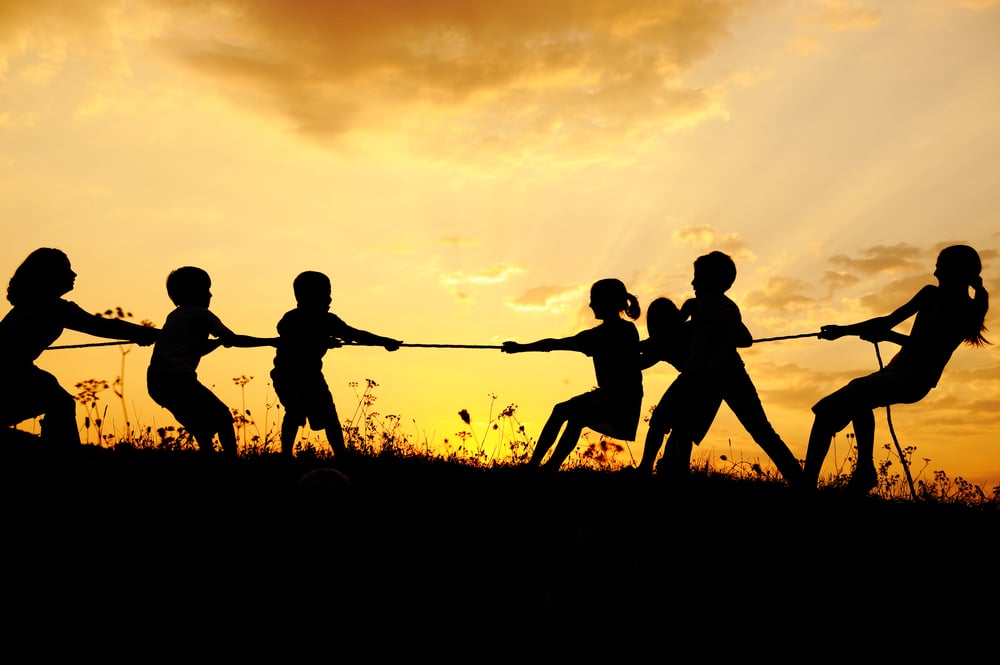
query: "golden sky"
464, 170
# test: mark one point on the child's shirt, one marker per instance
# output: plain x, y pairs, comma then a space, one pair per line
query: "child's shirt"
27, 330
716, 325
183, 338
614, 347
305, 336
938, 329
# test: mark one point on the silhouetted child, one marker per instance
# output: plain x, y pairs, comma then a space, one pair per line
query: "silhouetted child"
190, 332
38, 317
715, 369
670, 341
945, 317
613, 408
305, 334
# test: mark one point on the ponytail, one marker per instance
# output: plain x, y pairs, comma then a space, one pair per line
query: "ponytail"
632, 309
980, 305
962, 265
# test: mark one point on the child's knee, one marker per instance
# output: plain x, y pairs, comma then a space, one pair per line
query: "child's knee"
293, 419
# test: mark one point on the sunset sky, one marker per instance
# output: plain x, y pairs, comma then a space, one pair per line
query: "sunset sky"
463, 171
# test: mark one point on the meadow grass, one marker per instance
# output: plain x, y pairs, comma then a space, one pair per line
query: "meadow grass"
501, 441
461, 539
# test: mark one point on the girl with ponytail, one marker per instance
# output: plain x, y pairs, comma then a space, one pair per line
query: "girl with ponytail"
945, 316
614, 407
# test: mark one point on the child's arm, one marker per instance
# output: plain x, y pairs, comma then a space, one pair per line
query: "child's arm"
246, 341
92, 324
743, 337
228, 338
648, 355
688, 309
880, 328
368, 339
548, 344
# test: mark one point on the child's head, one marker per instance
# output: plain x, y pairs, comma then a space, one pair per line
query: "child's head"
960, 263
45, 273
960, 266
189, 286
662, 317
714, 272
312, 289
609, 297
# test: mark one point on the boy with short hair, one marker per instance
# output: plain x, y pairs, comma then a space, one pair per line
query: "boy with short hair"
305, 333
190, 332
714, 367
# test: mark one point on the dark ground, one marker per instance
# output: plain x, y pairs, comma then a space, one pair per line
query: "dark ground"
171, 542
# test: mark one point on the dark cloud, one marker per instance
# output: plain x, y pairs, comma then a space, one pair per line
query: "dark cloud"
521, 69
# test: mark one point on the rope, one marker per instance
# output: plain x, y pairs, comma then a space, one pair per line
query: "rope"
421, 346
892, 431
83, 346
778, 339
412, 346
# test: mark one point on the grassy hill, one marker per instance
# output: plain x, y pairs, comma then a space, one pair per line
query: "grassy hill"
405, 540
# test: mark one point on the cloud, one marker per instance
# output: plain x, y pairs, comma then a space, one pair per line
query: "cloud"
556, 299
570, 80
883, 259
906, 267
707, 238
460, 74
494, 275
837, 279
780, 294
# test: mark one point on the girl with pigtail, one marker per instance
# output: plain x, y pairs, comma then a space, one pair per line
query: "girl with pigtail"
614, 407
945, 316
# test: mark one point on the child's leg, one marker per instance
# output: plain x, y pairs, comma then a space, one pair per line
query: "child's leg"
227, 435
335, 435
856, 402
865, 476
38, 393
199, 411
325, 415
204, 437
676, 461
548, 435
659, 426
289, 431
567, 442
741, 396
820, 438
59, 422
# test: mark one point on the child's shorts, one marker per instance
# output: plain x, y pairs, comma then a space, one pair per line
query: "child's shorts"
867, 393
306, 398
689, 406
193, 405
608, 412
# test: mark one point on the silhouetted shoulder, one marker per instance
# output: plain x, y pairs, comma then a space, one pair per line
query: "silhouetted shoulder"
27, 330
